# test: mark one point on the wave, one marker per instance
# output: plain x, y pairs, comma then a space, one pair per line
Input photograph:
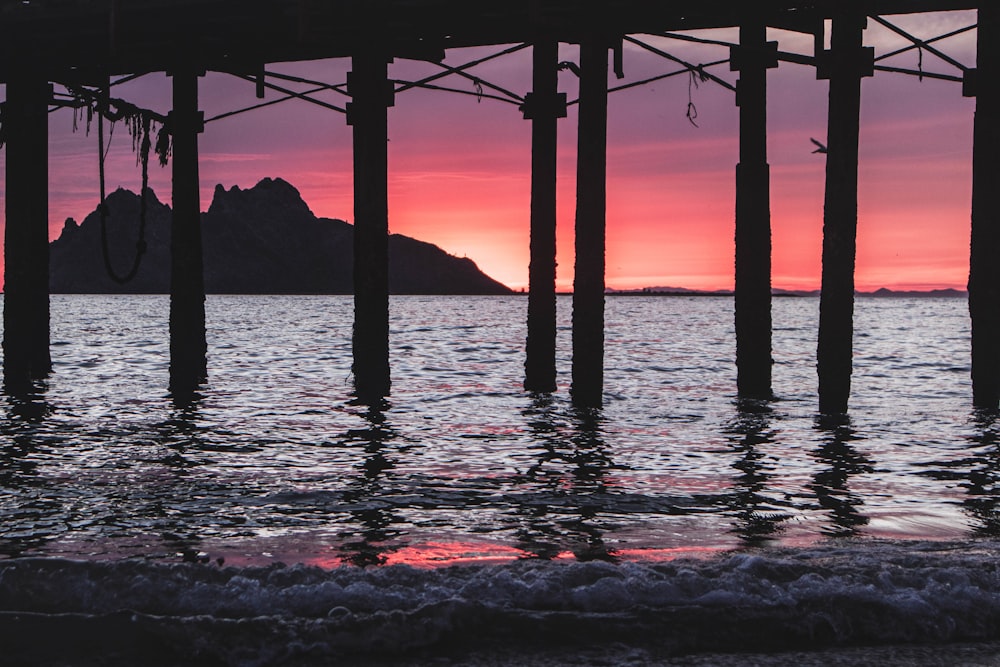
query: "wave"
848, 594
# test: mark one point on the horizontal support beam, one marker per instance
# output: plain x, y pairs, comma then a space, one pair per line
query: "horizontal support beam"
148, 35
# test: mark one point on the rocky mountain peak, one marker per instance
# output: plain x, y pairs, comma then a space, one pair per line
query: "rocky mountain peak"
260, 240
269, 198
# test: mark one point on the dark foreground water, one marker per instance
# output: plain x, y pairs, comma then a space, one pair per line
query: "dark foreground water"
273, 522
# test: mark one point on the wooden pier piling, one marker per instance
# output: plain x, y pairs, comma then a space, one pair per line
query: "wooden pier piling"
754, 56
543, 106
188, 349
26, 238
845, 64
591, 200
984, 267
367, 113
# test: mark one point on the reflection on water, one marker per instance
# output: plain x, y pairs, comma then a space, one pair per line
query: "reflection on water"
273, 458
831, 484
369, 544
26, 404
758, 514
983, 482
569, 475
26, 407
184, 438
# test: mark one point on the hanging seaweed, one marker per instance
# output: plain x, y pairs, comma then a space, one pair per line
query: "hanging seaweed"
141, 123
163, 146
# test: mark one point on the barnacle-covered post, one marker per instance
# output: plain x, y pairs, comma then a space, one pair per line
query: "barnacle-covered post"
591, 199
845, 64
752, 58
372, 95
26, 238
984, 267
544, 105
188, 349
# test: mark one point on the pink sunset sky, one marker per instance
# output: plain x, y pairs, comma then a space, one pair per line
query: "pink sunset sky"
459, 168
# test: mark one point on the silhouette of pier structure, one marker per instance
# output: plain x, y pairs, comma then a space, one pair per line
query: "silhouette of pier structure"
82, 44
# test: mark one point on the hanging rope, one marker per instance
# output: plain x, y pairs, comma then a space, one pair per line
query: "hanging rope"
140, 123
692, 110
697, 76
140, 128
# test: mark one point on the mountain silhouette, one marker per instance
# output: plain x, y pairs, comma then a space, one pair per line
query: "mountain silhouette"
262, 240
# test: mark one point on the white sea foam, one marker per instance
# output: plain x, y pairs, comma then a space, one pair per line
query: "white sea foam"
860, 593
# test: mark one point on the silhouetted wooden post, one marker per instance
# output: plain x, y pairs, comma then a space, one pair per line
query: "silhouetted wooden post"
26, 239
543, 106
591, 198
754, 56
845, 65
984, 268
188, 349
367, 113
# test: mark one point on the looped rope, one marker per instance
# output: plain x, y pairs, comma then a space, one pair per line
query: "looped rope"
692, 110
102, 208
697, 76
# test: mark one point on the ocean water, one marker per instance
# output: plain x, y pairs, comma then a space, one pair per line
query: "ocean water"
274, 521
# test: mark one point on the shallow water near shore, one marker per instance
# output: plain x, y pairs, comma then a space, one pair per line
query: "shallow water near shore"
461, 467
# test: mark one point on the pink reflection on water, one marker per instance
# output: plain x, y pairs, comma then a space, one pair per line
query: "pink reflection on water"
435, 554
430, 555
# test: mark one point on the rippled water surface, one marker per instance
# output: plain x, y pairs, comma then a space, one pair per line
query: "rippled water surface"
274, 462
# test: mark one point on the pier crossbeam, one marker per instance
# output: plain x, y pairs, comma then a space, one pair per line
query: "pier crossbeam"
138, 35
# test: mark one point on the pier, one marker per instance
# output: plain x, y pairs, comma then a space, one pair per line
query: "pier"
86, 46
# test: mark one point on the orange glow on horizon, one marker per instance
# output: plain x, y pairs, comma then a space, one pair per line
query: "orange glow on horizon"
459, 170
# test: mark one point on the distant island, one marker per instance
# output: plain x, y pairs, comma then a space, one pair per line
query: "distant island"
879, 293
262, 240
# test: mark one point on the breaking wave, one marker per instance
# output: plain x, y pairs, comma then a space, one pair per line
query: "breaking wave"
140, 612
